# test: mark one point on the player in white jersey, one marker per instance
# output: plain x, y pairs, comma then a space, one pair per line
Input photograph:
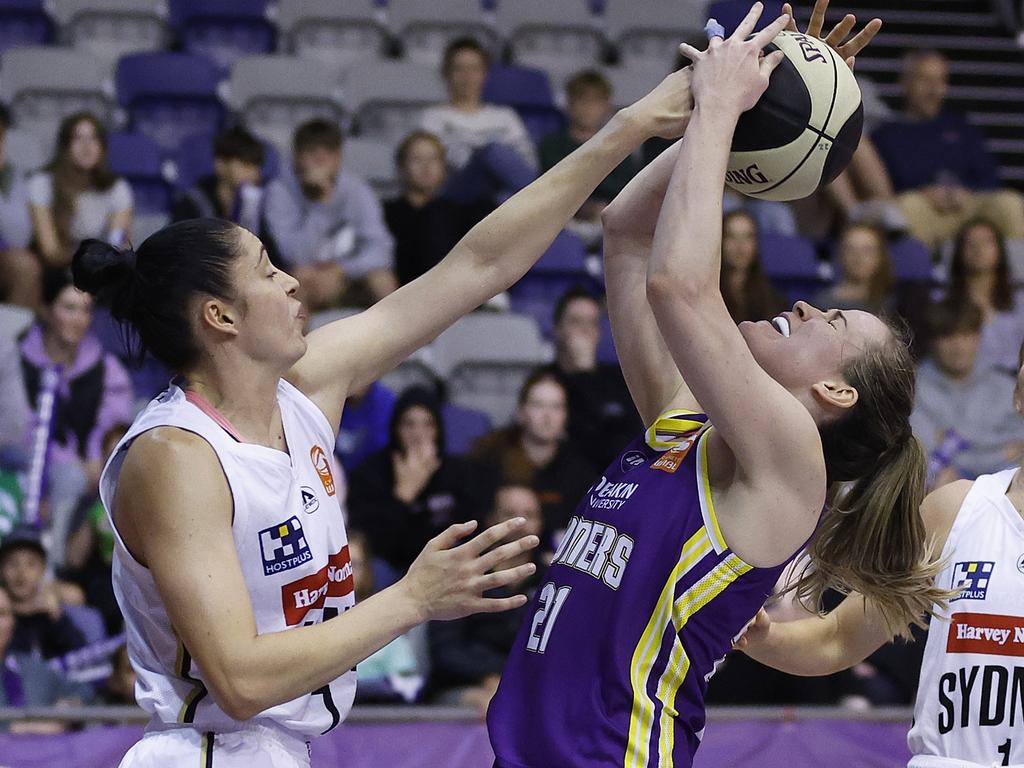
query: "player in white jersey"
970, 699
231, 553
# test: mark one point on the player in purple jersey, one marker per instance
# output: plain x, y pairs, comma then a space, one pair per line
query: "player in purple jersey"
674, 549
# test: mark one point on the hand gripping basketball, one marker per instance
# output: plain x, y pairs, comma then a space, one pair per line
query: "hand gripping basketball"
849, 49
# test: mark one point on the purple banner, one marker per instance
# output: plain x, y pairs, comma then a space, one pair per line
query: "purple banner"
802, 744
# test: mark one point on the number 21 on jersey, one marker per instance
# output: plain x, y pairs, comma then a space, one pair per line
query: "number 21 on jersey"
551, 600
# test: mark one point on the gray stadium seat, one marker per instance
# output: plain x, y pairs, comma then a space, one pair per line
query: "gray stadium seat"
43, 85
110, 29
492, 388
374, 162
425, 29
389, 96
277, 93
630, 84
14, 320
333, 32
24, 150
651, 37
560, 38
145, 224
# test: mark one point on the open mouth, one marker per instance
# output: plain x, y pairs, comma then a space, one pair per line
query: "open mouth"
781, 324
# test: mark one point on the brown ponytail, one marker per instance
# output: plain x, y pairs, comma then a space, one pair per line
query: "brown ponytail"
871, 538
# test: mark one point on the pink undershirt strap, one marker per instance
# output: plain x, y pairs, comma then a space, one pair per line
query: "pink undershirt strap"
204, 405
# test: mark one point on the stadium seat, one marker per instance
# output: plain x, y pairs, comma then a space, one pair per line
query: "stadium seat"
374, 162
24, 150
274, 94
144, 225
528, 91
650, 39
110, 29
729, 13
169, 95
194, 159
24, 22
14, 320
563, 266
560, 37
462, 426
606, 345
911, 260
632, 83
792, 264
332, 32
43, 85
138, 158
425, 29
388, 96
223, 30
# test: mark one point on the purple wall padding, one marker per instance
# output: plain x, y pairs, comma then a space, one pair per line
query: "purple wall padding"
806, 744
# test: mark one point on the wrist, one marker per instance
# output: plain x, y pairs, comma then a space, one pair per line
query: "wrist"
408, 609
633, 125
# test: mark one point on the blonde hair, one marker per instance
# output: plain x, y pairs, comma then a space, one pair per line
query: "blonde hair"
872, 538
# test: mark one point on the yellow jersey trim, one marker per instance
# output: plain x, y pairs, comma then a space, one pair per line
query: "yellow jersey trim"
671, 427
707, 502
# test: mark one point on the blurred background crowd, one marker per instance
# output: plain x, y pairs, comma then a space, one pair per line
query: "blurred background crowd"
361, 143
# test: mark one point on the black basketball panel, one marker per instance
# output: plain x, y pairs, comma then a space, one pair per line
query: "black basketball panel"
780, 115
844, 146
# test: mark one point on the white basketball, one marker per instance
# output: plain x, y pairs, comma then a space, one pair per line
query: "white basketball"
803, 131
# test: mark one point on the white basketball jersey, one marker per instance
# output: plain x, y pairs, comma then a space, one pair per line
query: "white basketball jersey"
290, 536
970, 700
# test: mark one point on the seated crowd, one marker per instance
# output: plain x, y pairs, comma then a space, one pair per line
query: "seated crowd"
66, 395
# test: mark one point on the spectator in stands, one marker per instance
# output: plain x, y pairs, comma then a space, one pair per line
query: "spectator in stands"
20, 271
89, 552
77, 196
866, 279
488, 148
601, 413
391, 674
980, 273
963, 414
589, 106
405, 495
364, 425
468, 655
864, 193
233, 191
12, 689
327, 224
42, 627
93, 393
534, 452
748, 293
938, 161
425, 223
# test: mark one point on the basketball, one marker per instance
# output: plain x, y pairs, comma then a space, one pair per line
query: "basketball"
802, 133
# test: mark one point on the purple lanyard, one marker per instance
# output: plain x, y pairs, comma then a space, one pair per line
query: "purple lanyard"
14, 691
41, 441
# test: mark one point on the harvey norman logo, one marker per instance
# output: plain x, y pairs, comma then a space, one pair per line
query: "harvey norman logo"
986, 633
608, 495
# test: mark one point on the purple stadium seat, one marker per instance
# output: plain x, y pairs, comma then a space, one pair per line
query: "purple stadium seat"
24, 22
911, 260
561, 267
606, 346
528, 91
462, 426
169, 95
194, 159
138, 158
223, 30
730, 13
792, 264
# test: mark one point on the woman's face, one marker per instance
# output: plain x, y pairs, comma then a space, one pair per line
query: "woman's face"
417, 429
544, 413
859, 255
981, 249
86, 150
739, 243
423, 168
69, 317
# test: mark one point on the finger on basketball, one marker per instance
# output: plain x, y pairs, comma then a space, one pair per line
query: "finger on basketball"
450, 536
861, 40
771, 61
484, 541
851, 61
499, 604
498, 555
841, 30
745, 27
788, 10
503, 578
817, 22
769, 33
690, 52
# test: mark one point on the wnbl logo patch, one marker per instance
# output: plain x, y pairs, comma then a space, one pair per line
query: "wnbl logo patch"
973, 576
283, 547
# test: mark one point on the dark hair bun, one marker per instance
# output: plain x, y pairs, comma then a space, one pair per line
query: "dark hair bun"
108, 273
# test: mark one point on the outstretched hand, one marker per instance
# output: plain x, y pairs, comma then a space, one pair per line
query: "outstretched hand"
733, 73
848, 49
447, 580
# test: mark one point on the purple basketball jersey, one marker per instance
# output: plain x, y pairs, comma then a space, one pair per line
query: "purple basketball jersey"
641, 601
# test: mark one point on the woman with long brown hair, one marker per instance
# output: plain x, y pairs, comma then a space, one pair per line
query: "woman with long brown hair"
748, 293
77, 196
980, 273
866, 276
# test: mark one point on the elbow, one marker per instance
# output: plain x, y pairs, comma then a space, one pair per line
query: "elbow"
238, 694
666, 287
